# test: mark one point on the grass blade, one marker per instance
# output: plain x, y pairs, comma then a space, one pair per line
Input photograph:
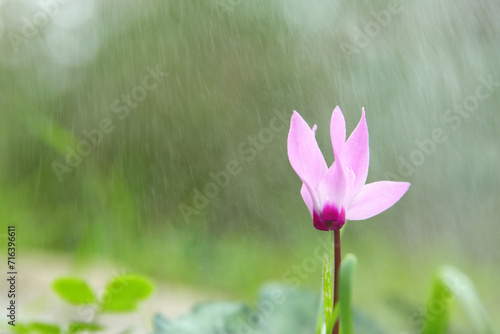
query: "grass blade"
438, 308
321, 318
346, 277
326, 315
465, 292
328, 295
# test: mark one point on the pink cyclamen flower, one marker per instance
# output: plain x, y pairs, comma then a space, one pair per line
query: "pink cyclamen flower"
335, 194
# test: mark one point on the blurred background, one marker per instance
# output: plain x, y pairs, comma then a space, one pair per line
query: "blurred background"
153, 135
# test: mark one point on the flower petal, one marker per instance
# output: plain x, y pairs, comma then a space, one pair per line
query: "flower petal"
332, 187
304, 153
375, 198
307, 199
337, 130
356, 157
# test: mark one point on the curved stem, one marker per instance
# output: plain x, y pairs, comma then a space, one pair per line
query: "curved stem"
338, 258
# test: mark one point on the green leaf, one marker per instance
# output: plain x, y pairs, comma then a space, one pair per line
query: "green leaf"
76, 327
282, 309
124, 292
449, 285
43, 328
438, 308
20, 328
73, 290
346, 277
209, 318
328, 295
321, 326
335, 315
321, 317
463, 288
279, 309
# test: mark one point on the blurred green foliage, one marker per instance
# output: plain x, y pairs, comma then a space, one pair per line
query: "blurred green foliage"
452, 285
285, 310
74, 291
122, 294
232, 66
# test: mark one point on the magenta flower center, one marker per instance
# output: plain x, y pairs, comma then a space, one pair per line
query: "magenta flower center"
331, 218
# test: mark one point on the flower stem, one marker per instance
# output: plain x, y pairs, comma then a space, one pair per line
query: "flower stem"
338, 258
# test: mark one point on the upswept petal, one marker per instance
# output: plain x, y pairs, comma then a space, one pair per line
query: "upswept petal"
375, 198
337, 130
304, 154
356, 157
332, 187
307, 199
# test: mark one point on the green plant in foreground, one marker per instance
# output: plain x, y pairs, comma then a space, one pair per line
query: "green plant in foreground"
123, 293
449, 285
282, 309
452, 285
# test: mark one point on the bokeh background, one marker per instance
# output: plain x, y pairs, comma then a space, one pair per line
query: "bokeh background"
231, 69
